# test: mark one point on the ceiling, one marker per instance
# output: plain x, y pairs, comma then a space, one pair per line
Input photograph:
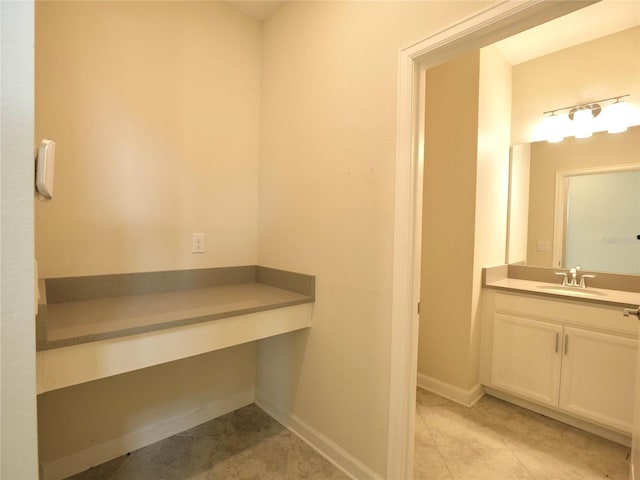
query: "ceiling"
589, 23
595, 21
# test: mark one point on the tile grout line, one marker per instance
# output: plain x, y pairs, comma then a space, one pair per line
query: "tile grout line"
504, 440
115, 474
444, 462
501, 436
533, 475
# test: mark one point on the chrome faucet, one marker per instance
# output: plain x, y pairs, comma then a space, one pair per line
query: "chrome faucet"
574, 275
582, 282
565, 283
573, 271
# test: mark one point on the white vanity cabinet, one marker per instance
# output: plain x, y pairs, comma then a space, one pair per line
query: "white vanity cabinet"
598, 377
574, 357
526, 359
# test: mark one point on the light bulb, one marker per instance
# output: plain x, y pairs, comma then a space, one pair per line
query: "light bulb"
617, 120
555, 128
583, 123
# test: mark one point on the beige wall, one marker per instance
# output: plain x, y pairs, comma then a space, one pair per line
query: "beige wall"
547, 159
448, 219
327, 196
518, 217
464, 208
328, 132
590, 71
18, 439
494, 134
75, 418
156, 120
329, 100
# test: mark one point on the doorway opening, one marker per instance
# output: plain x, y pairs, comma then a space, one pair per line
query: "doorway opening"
491, 25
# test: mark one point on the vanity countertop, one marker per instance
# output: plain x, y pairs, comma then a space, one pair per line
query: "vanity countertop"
554, 290
98, 326
80, 310
84, 321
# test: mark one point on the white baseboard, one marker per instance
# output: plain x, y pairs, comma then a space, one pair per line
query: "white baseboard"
468, 398
316, 440
97, 454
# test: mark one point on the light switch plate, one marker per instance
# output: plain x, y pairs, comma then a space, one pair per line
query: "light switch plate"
197, 243
542, 246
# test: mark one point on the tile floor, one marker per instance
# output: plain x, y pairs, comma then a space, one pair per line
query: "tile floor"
245, 444
494, 440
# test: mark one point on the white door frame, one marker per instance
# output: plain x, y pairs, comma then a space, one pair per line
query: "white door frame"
495, 23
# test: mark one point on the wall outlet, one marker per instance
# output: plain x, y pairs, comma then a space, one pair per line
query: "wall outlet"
197, 243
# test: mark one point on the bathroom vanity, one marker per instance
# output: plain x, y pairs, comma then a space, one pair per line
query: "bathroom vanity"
569, 353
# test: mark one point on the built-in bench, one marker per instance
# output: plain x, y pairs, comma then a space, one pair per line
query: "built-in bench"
98, 326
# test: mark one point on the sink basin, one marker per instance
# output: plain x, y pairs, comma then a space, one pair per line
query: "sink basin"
574, 291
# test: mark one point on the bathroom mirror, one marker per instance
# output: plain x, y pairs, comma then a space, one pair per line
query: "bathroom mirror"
576, 202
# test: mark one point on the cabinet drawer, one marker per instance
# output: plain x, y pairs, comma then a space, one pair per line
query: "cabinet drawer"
572, 313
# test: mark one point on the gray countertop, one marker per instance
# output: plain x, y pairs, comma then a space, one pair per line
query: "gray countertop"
82, 321
600, 295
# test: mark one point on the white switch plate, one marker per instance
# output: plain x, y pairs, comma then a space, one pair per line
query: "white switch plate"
197, 243
542, 246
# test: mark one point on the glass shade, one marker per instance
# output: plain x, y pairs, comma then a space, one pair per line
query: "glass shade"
583, 123
555, 128
617, 117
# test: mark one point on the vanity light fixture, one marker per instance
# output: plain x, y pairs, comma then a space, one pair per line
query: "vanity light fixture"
617, 116
555, 126
583, 119
580, 119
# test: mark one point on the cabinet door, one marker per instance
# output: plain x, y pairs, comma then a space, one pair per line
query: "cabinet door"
598, 377
526, 358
